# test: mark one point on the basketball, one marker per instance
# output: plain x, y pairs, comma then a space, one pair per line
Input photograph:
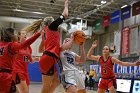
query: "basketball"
79, 37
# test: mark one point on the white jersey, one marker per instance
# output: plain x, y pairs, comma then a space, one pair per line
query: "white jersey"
68, 60
71, 73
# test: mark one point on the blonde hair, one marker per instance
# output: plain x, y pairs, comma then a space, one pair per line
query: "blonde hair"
33, 27
48, 20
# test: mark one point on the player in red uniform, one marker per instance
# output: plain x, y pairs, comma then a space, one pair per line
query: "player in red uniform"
7, 51
20, 66
51, 47
106, 61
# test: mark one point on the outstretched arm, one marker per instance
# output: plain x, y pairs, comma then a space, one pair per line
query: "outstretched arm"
90, 52
65, 11
17, 46
54, 25
114, 60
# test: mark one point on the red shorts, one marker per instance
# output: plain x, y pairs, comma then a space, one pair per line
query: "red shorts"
47, 65
6, 83
20, 76
107, 83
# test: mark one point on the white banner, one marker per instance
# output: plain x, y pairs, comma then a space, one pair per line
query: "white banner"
117, 42
134, 40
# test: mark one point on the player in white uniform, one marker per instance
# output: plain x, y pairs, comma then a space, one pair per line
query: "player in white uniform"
72, 78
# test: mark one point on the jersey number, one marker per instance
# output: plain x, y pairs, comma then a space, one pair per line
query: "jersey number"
70, 60
25, 59
1, 51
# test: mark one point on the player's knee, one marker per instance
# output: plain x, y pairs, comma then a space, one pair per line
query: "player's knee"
46, 85
112, 90
81, 91
72, 91
24, 91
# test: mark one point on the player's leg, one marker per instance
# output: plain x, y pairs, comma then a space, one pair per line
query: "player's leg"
46, 83
112, 85
13, 88
82, 91
47, 80
47, 68
22, 87
112, 89
21, 82
27, 81
55, 82
101, 90
80, 78
103, 86
69, 82
71, 89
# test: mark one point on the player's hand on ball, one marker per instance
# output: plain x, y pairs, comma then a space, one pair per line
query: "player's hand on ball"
94, 44
82, 44
72, 36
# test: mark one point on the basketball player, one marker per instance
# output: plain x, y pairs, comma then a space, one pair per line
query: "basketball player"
72, 79
106, 61
20, 66
51, 46
7, 51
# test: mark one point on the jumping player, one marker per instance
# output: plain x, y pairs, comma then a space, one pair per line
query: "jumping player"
8, 49
51, 46
20, 66
72, 78
106, 61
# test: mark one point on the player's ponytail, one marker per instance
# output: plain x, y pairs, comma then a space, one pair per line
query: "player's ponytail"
34, 27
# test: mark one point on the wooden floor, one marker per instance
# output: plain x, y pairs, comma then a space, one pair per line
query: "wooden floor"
36, 88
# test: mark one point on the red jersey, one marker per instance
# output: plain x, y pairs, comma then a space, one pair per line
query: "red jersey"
107, 67
52, 41
21, 60
8, 49
5, 56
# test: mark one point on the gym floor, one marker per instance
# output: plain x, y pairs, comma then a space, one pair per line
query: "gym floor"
36, 88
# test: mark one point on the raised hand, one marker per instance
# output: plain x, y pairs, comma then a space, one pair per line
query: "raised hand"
65, 11
94, 44
66, 3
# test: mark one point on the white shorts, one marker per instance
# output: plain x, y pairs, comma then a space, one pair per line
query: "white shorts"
73, 77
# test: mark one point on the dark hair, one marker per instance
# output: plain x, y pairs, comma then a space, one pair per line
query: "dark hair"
6, 35
10, 30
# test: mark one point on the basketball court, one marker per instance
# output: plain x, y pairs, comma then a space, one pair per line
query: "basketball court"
113, 24
36, 88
